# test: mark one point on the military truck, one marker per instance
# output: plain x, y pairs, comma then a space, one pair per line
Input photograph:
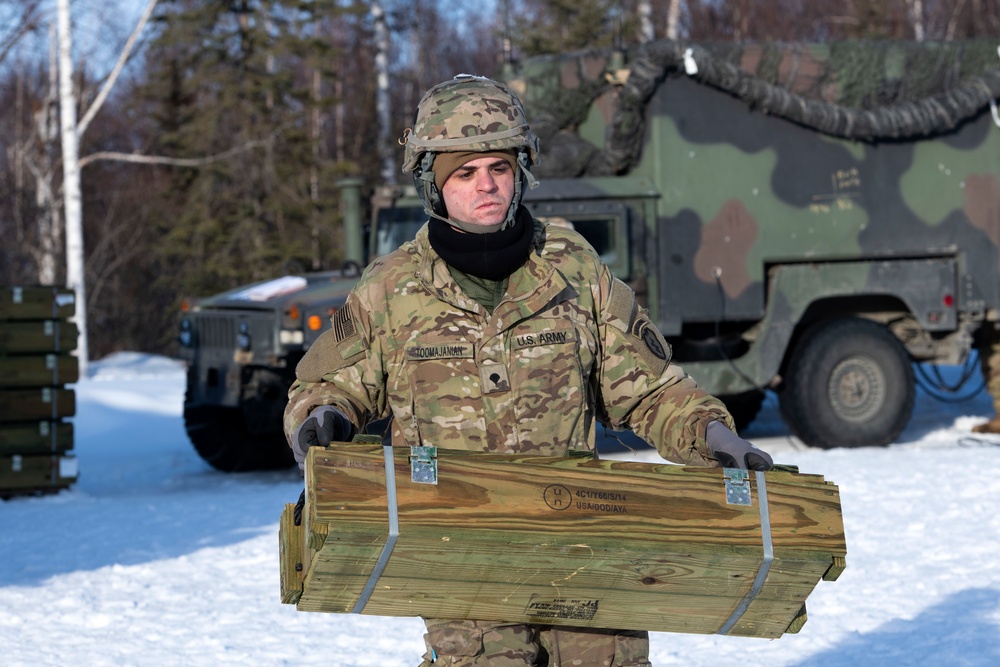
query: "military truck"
241, 346
789, 228
810, 219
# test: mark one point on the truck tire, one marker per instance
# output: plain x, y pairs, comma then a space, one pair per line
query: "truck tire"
849, 383
220, 436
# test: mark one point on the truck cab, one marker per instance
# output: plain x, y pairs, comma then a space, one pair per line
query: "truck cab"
241, 346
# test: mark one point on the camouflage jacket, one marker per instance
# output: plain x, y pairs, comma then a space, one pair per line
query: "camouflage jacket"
568, 344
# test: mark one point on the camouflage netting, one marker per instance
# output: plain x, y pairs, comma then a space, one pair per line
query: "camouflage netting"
855, 90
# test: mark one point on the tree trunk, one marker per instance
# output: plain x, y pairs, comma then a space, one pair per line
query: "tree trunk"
42, 166
916, 11
316, 138
382, 94
673, 16
71, 182
645, 12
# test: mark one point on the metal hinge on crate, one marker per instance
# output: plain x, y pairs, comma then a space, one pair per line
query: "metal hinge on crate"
737, 486
424, 465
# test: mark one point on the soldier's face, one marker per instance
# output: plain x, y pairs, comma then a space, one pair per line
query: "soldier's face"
480, 191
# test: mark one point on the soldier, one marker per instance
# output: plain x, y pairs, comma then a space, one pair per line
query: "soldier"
495, 333
989, 363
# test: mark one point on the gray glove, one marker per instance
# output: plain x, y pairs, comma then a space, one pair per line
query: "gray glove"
324, 425
732, 451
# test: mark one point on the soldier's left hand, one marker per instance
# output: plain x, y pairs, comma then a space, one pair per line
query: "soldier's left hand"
732, 451
323, 425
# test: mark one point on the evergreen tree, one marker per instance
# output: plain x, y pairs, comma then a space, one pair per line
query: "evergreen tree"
557, 26
232, 79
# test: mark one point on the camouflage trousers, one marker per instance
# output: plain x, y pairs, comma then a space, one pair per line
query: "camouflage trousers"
491, 644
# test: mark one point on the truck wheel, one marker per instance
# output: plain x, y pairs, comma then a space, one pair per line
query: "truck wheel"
849, 383
220, 436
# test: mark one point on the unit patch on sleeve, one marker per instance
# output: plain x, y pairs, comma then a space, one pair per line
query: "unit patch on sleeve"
650, 344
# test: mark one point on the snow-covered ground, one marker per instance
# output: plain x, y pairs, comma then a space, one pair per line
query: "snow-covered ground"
154, 559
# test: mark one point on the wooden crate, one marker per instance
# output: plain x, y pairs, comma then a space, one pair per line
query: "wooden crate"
36, 303
35, 366
38, 403
20, 474
38, 336
570, 541
38, 370
38, 437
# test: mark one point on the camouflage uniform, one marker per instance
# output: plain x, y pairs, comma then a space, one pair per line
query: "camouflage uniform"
565, 346
473, 643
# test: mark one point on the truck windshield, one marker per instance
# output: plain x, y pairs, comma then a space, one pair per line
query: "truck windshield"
396, 226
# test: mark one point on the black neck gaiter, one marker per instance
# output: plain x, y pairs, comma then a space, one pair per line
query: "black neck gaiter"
492, 256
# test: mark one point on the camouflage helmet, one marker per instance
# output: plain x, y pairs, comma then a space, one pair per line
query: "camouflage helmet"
468, 113
462, 115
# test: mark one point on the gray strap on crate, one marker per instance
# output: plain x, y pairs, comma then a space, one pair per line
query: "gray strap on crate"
765, 564
390, 542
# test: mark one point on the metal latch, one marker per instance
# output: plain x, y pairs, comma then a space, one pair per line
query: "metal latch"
737, 486
423, 465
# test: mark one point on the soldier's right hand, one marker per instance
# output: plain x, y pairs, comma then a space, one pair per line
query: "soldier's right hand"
732, 451
324, 425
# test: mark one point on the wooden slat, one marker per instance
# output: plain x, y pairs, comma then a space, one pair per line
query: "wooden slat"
36, 404
17, 337
836, 569
798, 622
515, 538
628, 587
611, 566
20, 474
39, 437
38, 370
32, 302
290, 554
525, 601
646, 502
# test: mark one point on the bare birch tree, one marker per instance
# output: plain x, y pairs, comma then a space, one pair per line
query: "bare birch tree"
71, 132
644, 10
915, 9
388, 170
71, 182
673, 18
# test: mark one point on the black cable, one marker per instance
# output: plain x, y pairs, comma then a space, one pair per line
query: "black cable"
969, 368
974, 441
939, 388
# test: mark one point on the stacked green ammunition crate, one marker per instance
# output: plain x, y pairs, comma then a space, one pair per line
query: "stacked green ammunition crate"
36, 366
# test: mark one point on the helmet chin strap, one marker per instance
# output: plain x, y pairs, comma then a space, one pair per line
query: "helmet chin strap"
434, 205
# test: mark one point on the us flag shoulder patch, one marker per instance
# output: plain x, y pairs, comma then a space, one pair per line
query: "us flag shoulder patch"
343, 325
